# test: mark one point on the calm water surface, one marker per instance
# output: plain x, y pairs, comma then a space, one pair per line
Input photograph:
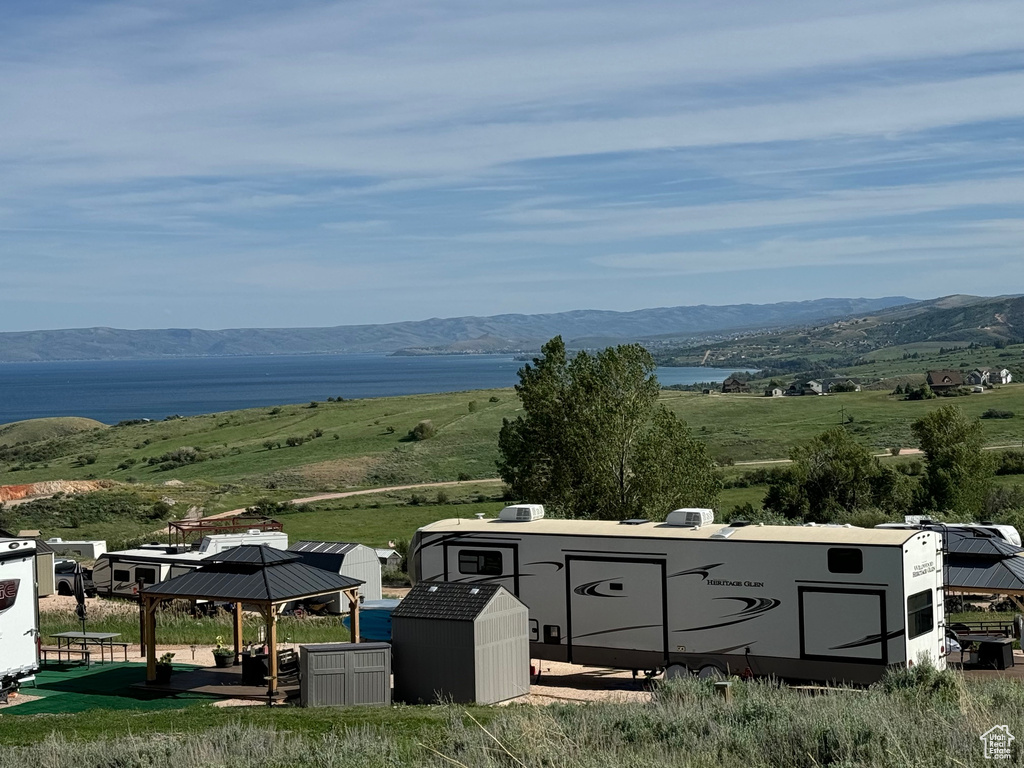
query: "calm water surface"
113, 390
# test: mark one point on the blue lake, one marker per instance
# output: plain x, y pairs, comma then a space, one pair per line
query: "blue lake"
114, 390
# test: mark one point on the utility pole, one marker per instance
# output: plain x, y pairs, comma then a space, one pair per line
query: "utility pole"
842, 415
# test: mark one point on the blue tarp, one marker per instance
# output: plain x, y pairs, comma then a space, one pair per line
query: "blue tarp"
375, 620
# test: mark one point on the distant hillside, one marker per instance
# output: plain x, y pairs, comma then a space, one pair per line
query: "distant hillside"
500, 333
956, 320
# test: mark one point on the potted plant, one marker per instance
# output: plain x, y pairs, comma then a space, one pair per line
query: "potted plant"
164, 668
222, 655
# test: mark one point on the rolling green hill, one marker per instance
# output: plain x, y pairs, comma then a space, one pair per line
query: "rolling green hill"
37, 430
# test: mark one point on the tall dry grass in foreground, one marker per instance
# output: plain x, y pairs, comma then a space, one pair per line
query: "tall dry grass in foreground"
919, 718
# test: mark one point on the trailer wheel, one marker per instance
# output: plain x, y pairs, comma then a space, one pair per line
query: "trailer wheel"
64, 589
710, 672
676, 672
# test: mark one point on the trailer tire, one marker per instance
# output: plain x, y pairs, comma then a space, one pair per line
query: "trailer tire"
710, 672
676, 672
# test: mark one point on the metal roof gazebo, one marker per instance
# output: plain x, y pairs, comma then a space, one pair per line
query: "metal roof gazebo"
262, 576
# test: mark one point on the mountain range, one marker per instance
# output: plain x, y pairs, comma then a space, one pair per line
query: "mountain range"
499, 333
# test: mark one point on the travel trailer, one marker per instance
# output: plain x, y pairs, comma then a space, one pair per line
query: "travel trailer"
687, 596
117, 574
19, 614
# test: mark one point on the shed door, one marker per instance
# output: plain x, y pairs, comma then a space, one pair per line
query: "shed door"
616, 604
846, 625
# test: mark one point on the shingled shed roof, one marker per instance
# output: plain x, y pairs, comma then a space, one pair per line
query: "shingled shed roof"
445, 600
253, 574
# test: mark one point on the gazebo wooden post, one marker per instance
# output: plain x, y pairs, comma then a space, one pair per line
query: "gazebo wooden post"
237, 626
271, 615
353, 612
150, 609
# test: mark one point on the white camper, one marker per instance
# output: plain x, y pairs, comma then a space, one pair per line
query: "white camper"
87, 550
19, 614
117, 574
819, 604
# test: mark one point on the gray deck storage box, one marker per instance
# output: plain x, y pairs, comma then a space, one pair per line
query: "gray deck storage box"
460, 642
344, 674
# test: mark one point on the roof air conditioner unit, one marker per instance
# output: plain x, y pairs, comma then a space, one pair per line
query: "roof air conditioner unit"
691, 517
522, 513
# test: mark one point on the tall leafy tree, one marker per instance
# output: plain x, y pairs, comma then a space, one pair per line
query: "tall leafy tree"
832, 476
958, 475
593, 442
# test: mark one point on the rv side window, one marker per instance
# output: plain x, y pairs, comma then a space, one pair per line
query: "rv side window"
842, 560
145, 575
920, 618
122, 575
480, 562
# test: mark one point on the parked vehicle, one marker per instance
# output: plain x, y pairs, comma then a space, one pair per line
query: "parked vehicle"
19, 613
801, 603
64, 578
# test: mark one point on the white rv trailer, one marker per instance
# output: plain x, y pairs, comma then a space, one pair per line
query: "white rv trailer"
820, 604
117, 574
19, 613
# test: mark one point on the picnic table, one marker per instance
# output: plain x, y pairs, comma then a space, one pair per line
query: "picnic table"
103, 640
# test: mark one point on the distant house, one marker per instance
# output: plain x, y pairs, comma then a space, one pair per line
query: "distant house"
1004, 376
979, 377
842, 385
943, 381
774, 392
733, 385
812, 387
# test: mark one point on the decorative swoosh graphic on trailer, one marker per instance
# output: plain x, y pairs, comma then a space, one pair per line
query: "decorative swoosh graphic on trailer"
700, 570
576, 637
754, 607
558, 566
590, 588
868, 640
732, 647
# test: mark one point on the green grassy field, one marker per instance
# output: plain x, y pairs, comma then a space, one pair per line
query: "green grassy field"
751, 427
918, 718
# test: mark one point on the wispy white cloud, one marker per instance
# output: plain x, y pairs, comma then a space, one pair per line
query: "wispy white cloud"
476, 146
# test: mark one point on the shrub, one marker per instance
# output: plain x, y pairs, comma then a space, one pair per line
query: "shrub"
992, 413
463, 477
274, 411
442, 497
423, 431
493, 399
472, 406
295, 440
894, 451
1010, 463
87, 458
313, 404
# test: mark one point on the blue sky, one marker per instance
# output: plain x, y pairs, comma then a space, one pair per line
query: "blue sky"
213, 165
